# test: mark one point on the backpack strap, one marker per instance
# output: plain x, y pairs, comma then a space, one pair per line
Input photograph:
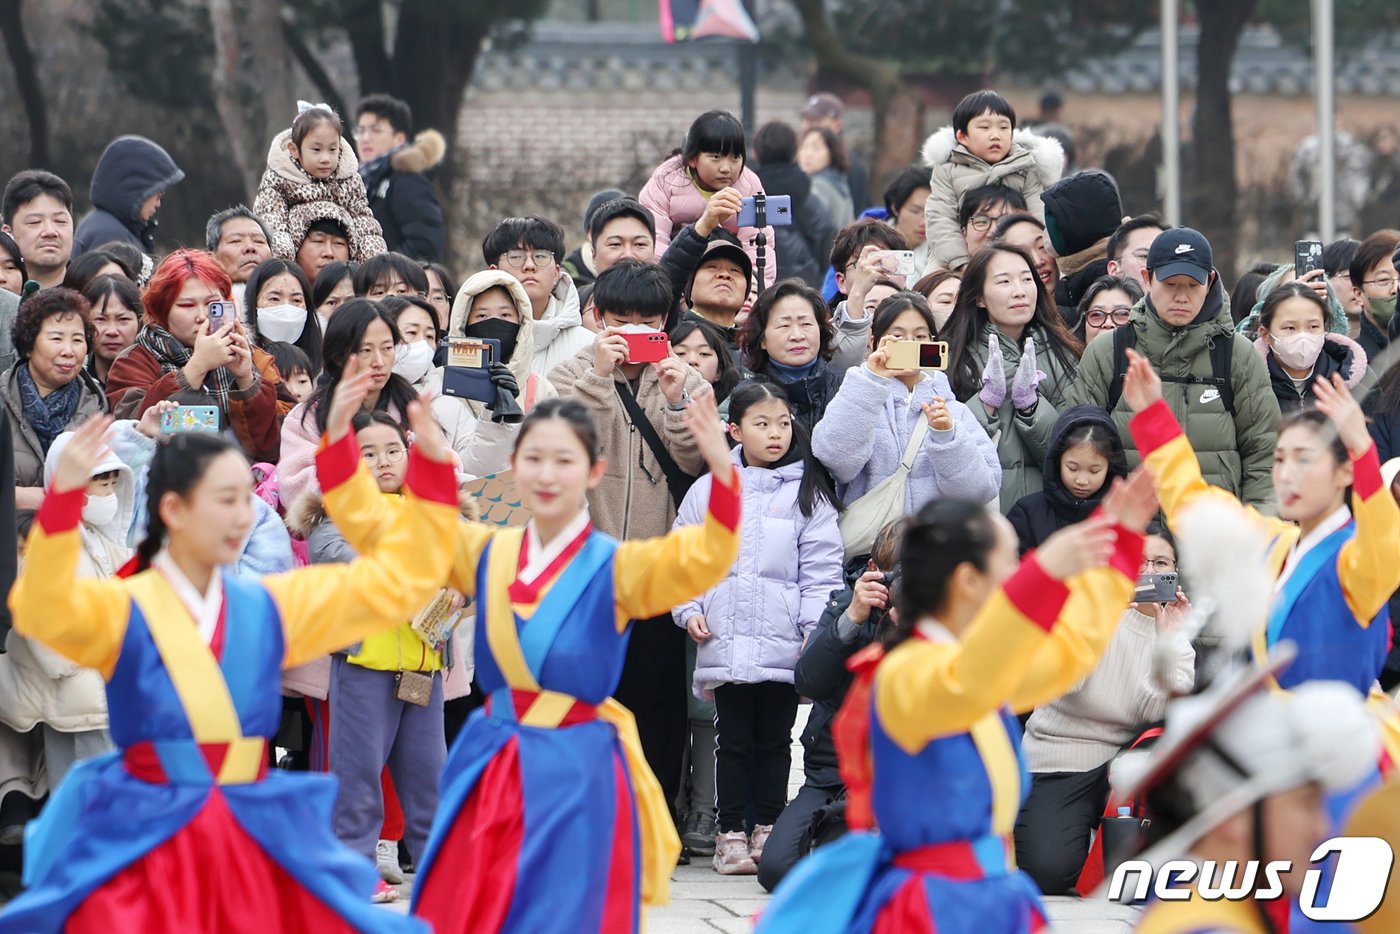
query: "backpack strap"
1221, 354
1124, 339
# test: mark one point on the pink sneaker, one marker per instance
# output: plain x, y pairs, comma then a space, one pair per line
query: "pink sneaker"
758, 840
732, 855
384, 893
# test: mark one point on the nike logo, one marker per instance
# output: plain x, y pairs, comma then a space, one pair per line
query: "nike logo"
1184, 248
1210, 395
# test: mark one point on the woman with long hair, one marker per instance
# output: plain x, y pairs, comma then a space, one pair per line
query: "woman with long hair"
1011, 359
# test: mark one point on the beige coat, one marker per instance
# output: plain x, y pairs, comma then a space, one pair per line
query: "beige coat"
1033, 164
633, 500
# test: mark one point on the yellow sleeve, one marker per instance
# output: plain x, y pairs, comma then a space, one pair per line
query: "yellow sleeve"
1366, 565
653, 576
327, 607
363, 516
1167, 453
83, 619
1097, 599
926, 689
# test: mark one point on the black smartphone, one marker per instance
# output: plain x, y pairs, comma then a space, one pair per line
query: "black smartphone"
1156, 588
1307, 256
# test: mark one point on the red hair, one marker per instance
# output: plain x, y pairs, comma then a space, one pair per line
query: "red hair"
172, 274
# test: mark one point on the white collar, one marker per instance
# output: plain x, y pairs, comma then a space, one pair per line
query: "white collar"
1310, 541
539, 556
205, 608
934, 631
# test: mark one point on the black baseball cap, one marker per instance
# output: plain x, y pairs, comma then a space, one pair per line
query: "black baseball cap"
1180, 251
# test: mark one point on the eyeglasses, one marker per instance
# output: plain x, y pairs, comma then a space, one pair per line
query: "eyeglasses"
1140, 255
1381, 282
982, 222
1097, 317
372, 129
515, 259
1158, 565
386, 457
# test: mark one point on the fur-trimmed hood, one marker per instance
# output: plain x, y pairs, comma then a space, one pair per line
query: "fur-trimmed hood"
1046, 153
1338, 347
1077, 262
279, 160
309, 511
480, 282
424, 154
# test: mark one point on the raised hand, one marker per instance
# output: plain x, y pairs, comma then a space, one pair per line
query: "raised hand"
85, 450
149, 425
609, 352
428, 439
993, 393
723, 204
349, 396
1141, 384
939, 418
671, 374
1078, 548
1133, 502
879, 363
1335, 401
702, 419
1024, 393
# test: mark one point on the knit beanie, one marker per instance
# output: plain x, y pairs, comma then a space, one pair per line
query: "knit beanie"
1081, 210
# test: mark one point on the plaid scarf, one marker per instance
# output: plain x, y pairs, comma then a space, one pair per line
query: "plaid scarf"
173, 355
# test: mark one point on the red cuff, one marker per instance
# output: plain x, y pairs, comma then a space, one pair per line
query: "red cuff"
1127, 552
1366, 477
434, 481
726, 502
336, 463
61, 512
1154, 427
1038, 596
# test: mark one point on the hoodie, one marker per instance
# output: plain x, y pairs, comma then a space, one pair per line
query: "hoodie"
403, 200
1037, 516
484, 446
131, 169
37, 685
1033, 164
559, 332
290, 201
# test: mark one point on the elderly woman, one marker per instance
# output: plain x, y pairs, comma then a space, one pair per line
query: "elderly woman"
788, 339
179, 349
47, 391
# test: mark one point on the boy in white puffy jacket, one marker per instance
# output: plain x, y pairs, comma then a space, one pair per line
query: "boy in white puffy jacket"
982, 147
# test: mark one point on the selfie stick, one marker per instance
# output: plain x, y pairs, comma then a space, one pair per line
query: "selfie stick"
760, 221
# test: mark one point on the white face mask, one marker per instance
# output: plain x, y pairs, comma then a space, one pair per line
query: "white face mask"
413, 361
281, 323
99, 510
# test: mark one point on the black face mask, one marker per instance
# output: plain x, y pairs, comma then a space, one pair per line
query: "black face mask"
497, 329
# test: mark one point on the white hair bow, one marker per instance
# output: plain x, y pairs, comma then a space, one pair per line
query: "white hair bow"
304, 106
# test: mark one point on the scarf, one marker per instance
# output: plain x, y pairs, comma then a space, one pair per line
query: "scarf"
173, 355
47, 415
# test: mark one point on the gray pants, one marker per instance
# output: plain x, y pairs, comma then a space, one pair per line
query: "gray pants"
369, 726
62, 750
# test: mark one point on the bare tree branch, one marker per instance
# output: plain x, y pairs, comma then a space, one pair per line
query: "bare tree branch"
31, 90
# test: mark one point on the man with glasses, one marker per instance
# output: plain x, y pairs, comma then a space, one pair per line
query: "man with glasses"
979, 212
1336, 265
1128, 245
395, 173
1373, 274
531, 249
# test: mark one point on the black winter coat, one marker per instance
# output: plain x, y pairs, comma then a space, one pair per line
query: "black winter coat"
810, 395
821, 676
1038, 516
130, 170
804, 248
403, 199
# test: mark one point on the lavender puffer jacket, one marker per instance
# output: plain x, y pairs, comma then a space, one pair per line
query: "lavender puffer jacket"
773, 597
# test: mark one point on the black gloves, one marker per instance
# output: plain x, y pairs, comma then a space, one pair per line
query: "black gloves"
506, 410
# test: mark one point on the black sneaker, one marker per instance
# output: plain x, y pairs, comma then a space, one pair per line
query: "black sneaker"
699, 834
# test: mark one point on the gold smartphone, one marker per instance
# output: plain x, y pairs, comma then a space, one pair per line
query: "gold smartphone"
917, 355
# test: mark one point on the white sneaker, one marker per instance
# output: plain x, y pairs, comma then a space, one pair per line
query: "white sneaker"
386, 860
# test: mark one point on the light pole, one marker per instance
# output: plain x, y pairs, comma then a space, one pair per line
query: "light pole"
1171, 112
1324, 87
